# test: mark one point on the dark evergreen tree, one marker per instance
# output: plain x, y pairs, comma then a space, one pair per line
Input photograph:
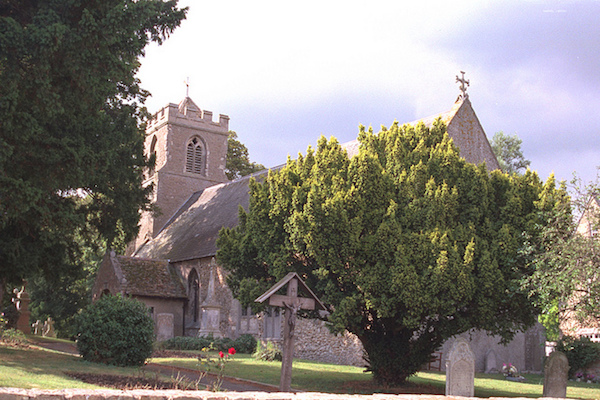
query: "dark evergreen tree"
406, 242
71, 125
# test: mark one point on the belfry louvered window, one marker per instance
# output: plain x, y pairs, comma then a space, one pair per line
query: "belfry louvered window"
194, 161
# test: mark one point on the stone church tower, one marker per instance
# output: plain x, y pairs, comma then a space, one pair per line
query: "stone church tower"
190, 152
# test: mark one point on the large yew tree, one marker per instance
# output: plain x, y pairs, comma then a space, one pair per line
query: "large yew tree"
71, 131
406, 242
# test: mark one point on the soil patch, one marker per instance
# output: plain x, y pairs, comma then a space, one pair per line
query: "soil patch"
133, 382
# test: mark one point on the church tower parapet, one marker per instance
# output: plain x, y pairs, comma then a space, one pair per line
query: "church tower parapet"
189, 115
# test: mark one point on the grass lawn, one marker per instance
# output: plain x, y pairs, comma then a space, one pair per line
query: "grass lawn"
315, 376
41, 368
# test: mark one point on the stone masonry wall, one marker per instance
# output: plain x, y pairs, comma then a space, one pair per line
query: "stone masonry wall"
84, 394
222, 294
315, 342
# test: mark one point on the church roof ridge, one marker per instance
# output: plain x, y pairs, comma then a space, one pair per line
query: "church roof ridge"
352, 146
187, 104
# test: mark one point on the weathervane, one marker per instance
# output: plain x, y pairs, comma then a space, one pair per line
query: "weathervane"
462, 87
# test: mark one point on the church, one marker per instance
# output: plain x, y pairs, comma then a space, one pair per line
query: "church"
171, 266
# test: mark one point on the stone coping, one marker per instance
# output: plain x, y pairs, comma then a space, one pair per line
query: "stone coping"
110, 394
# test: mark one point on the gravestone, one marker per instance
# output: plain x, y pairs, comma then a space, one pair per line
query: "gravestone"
48, 329
491, 363
21, 301
555, 375
165, 328
37, 327
460, 370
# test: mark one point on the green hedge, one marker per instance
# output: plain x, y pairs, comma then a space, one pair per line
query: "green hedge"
243, 344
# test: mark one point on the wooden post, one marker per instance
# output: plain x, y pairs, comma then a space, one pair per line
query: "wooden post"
285, 384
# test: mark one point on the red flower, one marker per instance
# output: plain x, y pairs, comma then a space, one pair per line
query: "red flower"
231, 351
221, 354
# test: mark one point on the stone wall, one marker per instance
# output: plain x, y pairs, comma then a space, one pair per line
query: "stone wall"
316, 342
525, 351
229, 307
84, 394
160, 308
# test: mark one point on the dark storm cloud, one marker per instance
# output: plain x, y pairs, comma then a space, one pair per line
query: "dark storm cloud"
541, 62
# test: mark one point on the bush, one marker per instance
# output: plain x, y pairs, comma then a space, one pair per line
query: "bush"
267, 352
581, 353
187, 343
245, 344
115, 330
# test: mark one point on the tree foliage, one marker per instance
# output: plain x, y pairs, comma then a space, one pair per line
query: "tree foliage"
581, 353
566, 255
406, 242
508, 152
71, 125
238, 161
62, 297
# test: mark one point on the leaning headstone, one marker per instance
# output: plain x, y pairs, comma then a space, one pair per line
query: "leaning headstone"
491, 365
164, 326
48, 329
556, 373
460, 370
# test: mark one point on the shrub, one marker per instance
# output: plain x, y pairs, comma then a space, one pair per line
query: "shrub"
12, 336
223, 344
581, 353
245, 344
187, 343
115, 330
267, 352
8, 335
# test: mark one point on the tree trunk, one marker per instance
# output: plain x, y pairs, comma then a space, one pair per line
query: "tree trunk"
2, 287
394, 357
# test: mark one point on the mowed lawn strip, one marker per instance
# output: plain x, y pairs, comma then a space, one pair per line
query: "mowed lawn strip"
316, 376
37, 368
45, 369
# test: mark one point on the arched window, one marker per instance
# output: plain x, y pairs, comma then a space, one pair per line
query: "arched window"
194, 160
194, 294
152, 157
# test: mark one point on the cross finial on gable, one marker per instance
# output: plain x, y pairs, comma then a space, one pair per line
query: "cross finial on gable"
187, 87
463, 88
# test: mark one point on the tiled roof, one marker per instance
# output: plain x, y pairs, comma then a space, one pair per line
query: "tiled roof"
152, 278
193, 231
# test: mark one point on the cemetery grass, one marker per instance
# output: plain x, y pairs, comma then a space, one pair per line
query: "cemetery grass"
32, 367
315, 376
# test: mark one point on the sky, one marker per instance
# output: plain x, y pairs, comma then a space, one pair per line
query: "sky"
288, 72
